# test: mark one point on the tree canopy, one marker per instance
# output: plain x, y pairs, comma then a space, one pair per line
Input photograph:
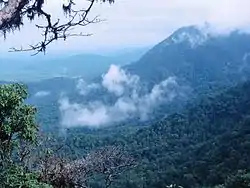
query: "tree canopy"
17, 120
26, 161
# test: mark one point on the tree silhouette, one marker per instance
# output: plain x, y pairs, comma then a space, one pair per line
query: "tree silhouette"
13, 12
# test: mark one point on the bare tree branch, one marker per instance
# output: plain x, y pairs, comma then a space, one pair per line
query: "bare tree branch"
12, 14
108, 162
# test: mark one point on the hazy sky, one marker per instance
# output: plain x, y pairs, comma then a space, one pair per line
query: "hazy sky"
140, 22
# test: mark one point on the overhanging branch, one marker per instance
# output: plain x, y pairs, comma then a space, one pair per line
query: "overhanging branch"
12, 14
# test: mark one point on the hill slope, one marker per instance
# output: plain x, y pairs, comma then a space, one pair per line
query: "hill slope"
87, 66
198, 59
200, 62
201, 146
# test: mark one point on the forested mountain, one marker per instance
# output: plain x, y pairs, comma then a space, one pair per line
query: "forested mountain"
204, 144
132, 106
201, 146
198, 61
196, 136
197, 58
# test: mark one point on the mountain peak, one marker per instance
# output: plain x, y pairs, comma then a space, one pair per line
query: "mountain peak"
191, 34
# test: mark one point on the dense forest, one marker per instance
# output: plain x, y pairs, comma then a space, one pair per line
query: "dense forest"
199, 139
120, 109
204, 145
207, 64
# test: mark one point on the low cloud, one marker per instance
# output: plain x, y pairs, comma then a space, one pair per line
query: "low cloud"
129, 102
117, 80
84, 88
42, 93
74, 114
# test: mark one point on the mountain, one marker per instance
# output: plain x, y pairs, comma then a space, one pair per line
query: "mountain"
201, 146
192, 55
197, 58
202, 142
88, 66
200, 63
206, 142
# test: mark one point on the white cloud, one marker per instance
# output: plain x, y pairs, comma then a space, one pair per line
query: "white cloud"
116, 80
129, 104
84, 88
77, 115
42, 93
141, 22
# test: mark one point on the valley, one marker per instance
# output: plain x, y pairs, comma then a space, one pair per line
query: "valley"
180, 109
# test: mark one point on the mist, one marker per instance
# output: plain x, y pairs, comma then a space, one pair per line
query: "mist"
42, 93
130, 102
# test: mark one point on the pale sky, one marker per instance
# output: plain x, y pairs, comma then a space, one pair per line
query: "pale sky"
135, 23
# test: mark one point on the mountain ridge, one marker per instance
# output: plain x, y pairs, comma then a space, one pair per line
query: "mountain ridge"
218, 63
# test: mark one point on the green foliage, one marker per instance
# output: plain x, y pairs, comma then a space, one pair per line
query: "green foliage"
17, 127
17, 119
240, 180
202, 146
23, 167
15, 176
216, 62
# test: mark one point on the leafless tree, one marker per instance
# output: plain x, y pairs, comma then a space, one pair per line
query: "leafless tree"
13, 12
55, 169
108, 163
